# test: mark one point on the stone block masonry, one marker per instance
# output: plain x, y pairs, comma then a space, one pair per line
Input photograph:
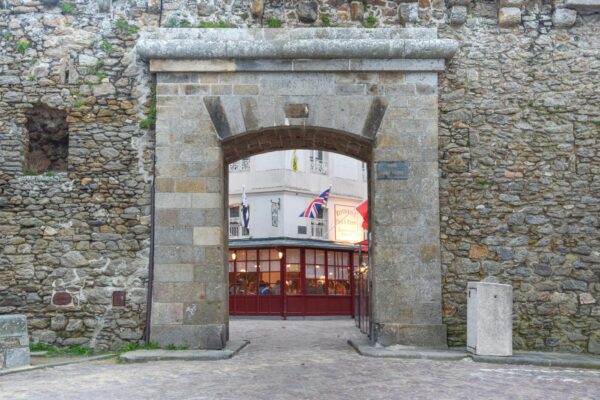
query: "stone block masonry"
14, 341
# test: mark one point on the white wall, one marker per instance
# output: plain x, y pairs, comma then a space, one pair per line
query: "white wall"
271, 178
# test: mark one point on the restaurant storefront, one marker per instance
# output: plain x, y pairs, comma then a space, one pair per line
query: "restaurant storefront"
291, 281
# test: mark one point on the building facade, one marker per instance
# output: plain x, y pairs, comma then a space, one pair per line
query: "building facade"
283, 263
509, 124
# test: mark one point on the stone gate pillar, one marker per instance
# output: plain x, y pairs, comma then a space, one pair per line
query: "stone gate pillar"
406, 295
189, 294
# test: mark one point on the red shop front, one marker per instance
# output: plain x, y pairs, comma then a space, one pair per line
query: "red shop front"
291, 281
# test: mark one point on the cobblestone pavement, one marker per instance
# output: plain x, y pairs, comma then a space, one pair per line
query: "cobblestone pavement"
300, 360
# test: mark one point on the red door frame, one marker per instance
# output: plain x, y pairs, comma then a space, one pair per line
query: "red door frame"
327, 301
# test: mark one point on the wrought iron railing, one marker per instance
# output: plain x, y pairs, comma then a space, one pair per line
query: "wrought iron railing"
240, 165
318, 165
318, 228
236, 230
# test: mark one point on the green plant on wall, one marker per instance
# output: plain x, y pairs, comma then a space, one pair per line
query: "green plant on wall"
325, 21
220, 24
67, 8
107, 47
370, 21
150, 121
274, 23
124, 26
22, 46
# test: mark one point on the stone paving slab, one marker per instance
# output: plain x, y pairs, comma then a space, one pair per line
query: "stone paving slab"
300, 360
139, 356
544, 359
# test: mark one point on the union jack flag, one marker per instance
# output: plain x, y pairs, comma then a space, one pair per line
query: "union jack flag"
315, 206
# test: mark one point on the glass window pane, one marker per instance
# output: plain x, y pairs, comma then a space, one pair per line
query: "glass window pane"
309, 256
263, 254
345, 259
274, 254
251, 283
330, 258
251, 266
293, 283
309, 272
241, 255
251, 255
292, 256
275, 266
320, 257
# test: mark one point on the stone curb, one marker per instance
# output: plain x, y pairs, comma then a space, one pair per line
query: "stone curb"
57, 364
140, 356
542, 359
364, 349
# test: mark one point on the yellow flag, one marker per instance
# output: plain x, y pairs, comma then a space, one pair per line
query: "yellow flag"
294, 162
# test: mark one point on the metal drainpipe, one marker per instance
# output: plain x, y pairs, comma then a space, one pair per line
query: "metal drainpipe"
151, 261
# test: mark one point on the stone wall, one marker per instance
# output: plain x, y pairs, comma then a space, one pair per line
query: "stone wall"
519, 162
68, 240
520, 189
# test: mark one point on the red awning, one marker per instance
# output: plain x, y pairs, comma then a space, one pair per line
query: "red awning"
364, 245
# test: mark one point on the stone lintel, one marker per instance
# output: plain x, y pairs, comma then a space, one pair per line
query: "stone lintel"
583, 5
315, 43
300, 65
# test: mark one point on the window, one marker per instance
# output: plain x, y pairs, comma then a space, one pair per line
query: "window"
47, 144
254, 272
315, 271
240, 165
338, 273
292, 272
301, 230
235, 224
318, 226
318, 165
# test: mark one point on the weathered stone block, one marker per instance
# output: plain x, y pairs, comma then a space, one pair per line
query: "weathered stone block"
511, 3
458, 15
208, 236
211, 336
14, 358
307, 11
357, 10
489, 319
509, 17
564, 17
14, 341
408, 13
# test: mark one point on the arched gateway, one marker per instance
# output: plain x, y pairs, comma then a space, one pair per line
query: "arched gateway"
224, 94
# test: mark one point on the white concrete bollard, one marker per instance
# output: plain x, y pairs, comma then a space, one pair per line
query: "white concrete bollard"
489, 319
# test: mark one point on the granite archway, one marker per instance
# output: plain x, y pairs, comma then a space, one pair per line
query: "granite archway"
369, 94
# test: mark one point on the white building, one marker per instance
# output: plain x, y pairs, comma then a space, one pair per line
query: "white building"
280, 185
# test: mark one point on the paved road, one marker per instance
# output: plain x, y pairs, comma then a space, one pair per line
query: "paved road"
300, 360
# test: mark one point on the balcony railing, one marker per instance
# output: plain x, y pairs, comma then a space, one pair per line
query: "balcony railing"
236, 231
240, 165
318, 165
318, 229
